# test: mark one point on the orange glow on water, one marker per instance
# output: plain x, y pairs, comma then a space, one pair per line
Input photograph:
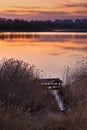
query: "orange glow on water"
48, 51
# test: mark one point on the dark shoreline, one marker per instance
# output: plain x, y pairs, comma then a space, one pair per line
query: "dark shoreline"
18, 25
58, 30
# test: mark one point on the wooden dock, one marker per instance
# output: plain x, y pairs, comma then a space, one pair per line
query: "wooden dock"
54, 85
51, 83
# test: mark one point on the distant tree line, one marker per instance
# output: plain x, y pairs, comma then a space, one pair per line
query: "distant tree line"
35, 25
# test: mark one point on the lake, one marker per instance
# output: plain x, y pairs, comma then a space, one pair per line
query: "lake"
49, 51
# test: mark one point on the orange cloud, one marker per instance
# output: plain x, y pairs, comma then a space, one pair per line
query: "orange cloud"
61, 10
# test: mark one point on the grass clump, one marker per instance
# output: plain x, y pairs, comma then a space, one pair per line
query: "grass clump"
26, 105
75, 96
19, 87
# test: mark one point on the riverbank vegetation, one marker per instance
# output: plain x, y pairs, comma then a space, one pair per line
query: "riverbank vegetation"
26, 105
17, 25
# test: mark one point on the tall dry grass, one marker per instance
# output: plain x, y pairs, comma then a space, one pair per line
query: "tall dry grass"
75, 96
75, 90
45, 110
19, 87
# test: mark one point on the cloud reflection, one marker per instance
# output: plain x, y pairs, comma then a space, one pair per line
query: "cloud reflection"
80, 49
54, 54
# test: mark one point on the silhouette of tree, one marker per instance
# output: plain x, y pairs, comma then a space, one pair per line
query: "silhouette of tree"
35, 25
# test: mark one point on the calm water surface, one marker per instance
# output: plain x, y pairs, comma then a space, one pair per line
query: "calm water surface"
50, 52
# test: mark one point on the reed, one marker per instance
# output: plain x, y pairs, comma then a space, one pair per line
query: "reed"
36, 107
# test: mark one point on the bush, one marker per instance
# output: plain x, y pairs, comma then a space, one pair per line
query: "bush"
17, 81
75, 90
75, 96
19, 87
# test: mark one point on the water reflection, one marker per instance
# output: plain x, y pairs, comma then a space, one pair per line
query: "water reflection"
49, 51
45, 37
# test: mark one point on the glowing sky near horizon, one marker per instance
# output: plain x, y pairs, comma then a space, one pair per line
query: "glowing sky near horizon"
43, 9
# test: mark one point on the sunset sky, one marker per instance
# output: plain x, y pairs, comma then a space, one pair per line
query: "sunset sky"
43, 9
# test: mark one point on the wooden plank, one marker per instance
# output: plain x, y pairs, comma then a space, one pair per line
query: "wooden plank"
51, 80
53, 83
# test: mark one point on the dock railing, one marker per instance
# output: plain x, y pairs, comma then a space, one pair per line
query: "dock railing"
51, 83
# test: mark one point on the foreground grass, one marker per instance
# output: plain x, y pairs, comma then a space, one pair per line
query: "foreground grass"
16, 120
35, 108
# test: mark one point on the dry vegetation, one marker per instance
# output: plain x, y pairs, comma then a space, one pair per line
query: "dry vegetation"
25, 105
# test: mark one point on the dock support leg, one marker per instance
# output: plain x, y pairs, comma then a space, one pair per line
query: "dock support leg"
59, 99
